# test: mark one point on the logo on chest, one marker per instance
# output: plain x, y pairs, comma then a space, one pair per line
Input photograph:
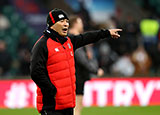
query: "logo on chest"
69, 46
56, 49
71, 53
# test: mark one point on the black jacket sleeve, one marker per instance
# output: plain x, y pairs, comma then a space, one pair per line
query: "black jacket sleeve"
88, 37
81, 58
38, 68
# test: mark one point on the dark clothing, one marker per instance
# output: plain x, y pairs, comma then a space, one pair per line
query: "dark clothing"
39, 58
5, 62
58, 112
84, 67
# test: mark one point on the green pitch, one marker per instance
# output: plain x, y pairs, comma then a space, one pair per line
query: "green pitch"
149, 110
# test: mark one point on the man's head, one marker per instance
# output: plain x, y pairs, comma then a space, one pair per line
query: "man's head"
58, 21
76, 24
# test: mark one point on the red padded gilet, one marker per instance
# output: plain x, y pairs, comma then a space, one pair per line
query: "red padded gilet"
61, 71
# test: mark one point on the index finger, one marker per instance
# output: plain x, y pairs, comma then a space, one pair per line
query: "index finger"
118, 29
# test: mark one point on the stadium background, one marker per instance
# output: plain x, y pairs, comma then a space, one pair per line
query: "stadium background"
136, 54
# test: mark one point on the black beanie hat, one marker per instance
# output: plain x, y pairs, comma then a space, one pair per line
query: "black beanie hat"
55, 16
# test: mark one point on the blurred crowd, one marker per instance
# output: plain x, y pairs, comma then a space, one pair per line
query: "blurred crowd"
135, 54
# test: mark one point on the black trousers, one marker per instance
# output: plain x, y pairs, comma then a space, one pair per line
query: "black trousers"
68, 111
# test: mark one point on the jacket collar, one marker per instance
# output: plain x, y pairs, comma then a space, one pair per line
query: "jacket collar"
50, 33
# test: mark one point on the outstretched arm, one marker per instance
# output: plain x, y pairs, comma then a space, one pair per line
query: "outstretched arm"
93, 36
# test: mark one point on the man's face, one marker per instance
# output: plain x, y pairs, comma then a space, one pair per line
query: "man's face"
61, 27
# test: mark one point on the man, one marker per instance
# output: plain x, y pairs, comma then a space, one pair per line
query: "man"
84, 63
52, 63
